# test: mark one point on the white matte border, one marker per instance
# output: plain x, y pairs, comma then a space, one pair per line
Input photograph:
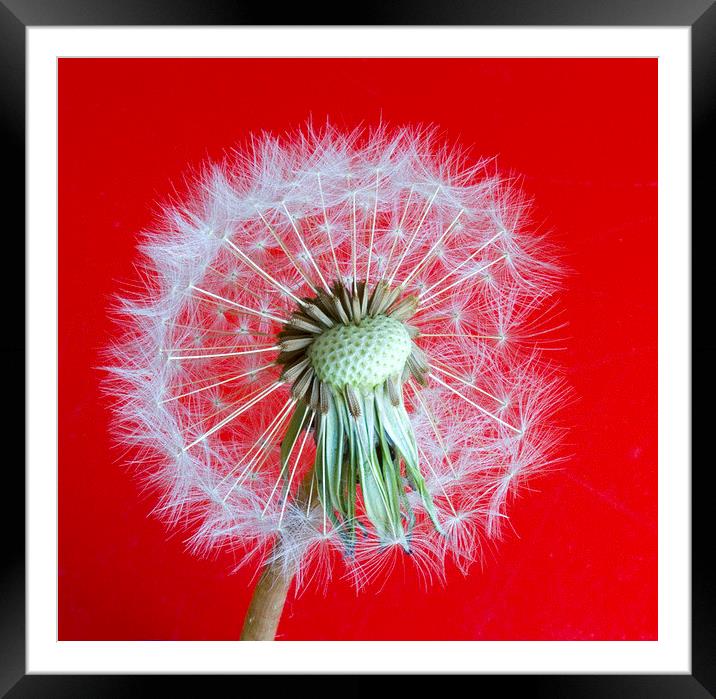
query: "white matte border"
670, 654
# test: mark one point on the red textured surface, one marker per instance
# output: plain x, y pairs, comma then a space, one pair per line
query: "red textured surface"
583, 132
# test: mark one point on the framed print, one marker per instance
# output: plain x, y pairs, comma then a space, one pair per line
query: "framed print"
369, 342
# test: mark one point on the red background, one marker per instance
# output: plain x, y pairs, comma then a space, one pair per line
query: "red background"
582, 564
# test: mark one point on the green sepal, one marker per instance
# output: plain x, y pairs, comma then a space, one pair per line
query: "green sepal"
297, 422
390, 470
382, 509
329, 456
397, 425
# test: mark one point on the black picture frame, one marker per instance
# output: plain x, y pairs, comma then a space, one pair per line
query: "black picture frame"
699, 15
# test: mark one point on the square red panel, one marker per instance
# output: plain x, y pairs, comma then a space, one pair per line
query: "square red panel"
583, 135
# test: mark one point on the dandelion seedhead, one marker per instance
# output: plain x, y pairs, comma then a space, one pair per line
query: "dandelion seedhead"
338, 353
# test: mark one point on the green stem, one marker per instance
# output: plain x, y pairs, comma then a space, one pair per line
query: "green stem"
266, 605
269, 597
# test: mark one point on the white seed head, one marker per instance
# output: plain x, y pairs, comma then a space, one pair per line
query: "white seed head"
316, 368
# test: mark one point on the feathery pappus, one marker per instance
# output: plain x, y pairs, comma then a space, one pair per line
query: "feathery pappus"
340, 354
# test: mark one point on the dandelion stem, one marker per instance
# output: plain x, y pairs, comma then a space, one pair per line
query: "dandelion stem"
266, 606
269, 597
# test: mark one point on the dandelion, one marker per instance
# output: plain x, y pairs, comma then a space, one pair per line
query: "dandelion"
336, 359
